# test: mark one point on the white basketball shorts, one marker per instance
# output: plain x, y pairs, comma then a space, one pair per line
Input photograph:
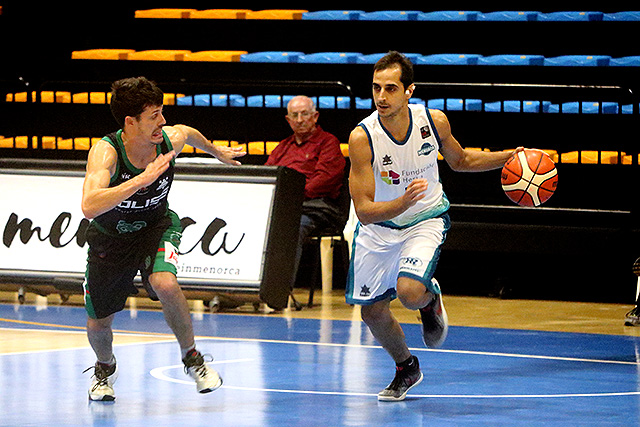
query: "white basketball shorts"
380, 255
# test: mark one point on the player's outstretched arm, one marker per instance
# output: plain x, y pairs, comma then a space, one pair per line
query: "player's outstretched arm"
462, 160
181, 135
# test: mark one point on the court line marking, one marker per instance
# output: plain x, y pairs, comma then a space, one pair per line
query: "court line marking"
470, 352
437, 350
159, 373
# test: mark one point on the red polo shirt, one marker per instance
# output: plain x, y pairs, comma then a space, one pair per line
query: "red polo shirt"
319, 158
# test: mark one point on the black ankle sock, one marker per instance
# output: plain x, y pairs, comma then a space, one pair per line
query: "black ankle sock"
410, 364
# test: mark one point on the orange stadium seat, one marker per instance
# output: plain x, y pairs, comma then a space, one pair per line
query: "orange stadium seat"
276, 14
158, 55
165, 13
215, 56
101, 54
220, 14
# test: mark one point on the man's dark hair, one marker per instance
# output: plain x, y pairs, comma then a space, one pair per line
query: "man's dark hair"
130, 96
396, 58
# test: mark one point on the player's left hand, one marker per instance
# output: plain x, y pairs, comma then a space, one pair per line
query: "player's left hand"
228, 154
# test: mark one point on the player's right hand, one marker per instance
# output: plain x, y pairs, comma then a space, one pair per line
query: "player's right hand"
415, 191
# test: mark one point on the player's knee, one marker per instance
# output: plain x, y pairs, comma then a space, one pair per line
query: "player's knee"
164, 284
412, 294
99, 325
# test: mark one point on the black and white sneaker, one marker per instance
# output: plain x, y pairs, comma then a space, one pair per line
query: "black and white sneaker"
207, 379
103, 378
632, 318
404, 381
435, 324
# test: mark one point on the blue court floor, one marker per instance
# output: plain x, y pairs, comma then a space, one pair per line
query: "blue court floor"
282, 371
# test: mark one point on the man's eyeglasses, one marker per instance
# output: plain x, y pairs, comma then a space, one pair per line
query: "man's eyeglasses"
302, 114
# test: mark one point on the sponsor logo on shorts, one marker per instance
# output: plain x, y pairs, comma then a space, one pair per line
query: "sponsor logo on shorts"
411, 262
170, 254
365, 291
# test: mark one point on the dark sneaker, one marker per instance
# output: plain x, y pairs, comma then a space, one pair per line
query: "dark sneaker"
435, 324
102, 383
402, 383
207, 379
632, 318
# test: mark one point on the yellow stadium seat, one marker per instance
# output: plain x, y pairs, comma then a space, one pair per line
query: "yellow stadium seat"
271, 145
591, 157
48, 142
15, 142
102, 54
220, 14
158, 55
276, 14
164, 13
91, 98
215, 55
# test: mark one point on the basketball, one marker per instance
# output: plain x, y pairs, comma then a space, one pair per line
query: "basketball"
529, 178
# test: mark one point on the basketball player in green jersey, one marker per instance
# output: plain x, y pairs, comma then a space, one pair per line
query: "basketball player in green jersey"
402, 211
128, 178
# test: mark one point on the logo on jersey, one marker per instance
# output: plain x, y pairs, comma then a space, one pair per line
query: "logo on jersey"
163, 183
386, 160
365, 291
125, 227
390, 177
425, 132
426, 149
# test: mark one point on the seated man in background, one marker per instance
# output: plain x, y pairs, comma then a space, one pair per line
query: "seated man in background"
316, 154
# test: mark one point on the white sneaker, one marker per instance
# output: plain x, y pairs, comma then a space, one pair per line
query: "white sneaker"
102, 384
207, 379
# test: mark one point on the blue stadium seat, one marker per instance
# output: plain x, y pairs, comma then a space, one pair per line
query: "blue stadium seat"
517, 106
333, 15
509, 16
211, 100
372, 58
622, 16
364, 103
511, 60
448, 59
455, 104
333, 102
271, 56
330, 58
571, 16
391, 15
269, 101
587, 108
625, 61
578, 61
449, 15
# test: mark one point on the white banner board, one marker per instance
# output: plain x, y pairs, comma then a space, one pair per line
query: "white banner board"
226, 226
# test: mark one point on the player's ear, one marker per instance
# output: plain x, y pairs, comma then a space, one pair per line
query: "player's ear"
410, 89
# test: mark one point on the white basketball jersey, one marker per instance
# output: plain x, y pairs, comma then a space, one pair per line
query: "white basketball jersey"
396, 163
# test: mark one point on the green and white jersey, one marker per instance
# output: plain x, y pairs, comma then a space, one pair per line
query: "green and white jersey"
147, 206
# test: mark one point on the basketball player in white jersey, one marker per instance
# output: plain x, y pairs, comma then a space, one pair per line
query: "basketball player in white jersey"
402, 212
